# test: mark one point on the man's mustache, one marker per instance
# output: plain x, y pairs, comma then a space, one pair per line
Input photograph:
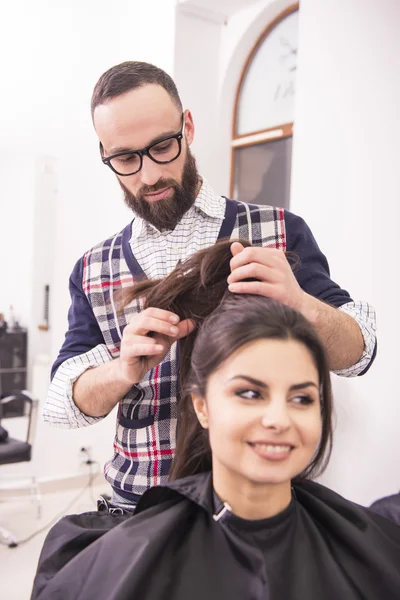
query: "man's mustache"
160, 185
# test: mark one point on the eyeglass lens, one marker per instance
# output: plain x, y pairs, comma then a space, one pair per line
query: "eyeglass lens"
163, 152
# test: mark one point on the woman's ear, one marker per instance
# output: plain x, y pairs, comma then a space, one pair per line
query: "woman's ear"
200, 408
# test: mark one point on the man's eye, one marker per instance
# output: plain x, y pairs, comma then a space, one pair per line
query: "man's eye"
248, 394
163, 147
128, 158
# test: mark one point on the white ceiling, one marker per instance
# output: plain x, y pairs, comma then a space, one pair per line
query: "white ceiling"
225, 7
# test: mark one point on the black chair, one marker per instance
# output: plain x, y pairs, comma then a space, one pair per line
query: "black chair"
18, 451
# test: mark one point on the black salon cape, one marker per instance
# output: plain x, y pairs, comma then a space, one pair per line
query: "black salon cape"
173, 549
389, 507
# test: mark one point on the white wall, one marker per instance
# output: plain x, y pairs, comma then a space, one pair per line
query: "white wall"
196, 73
346, 183
53, 55
16, 239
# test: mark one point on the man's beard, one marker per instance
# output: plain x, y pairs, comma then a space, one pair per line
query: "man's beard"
166, 214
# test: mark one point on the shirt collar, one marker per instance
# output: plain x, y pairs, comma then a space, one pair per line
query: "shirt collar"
207, 202
139, 227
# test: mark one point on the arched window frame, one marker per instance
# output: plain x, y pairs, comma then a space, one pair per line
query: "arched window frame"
257, 137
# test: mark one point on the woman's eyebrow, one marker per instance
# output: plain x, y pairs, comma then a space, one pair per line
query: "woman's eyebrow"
250, 380
262, 384
300, 386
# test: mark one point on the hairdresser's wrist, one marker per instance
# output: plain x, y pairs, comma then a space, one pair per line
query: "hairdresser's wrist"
122, 375
308, 306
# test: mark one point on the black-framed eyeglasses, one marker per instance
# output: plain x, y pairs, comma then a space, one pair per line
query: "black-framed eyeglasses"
163, 151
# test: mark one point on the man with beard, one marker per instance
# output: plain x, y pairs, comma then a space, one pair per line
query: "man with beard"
127, 356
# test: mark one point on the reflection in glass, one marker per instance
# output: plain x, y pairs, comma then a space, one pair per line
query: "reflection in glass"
262, 173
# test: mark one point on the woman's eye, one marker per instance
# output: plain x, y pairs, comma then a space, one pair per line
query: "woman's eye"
303, 400
248, 394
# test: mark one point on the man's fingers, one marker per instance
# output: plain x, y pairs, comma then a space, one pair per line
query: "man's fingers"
270, 257
133, 345
255, 271
159, 313
258, 288
185, 328
138, 321
145, 350
236, 247
149, 324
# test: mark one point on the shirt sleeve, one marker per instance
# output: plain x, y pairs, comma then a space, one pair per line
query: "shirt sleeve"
365, 316
60, 409
83, 333
313, 275
83, 349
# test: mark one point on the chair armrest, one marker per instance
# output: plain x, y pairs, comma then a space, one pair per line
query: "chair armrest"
33, 410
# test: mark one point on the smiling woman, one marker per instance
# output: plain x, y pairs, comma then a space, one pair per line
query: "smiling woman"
259, 388
241, 518
263, 412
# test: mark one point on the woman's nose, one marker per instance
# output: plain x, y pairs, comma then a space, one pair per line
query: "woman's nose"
276, 415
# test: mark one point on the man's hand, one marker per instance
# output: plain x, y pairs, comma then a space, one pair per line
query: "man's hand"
340, 333
272, 270
141, 352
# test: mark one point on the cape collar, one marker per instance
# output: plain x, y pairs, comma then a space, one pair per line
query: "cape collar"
197, 488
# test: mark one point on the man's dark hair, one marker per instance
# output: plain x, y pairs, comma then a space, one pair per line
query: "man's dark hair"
131, 75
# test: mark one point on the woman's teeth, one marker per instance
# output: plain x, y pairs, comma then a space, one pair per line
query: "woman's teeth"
272, 448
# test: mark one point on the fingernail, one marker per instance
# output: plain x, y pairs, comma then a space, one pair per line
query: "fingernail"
174, 330
174, 319
232, 287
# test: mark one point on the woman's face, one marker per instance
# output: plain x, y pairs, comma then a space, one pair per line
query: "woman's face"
263, 413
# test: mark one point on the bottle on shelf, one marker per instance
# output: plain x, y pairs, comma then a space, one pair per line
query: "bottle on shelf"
11, 318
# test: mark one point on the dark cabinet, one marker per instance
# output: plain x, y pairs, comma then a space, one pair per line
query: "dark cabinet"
13, 368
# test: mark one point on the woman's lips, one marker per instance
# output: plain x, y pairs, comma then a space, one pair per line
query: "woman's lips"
276, 452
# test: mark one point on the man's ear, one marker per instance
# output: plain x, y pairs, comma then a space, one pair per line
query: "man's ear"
189, 127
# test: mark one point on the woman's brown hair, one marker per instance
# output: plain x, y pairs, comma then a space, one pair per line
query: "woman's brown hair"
197, 289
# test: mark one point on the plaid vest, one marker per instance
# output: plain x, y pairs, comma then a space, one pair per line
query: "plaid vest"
147, 417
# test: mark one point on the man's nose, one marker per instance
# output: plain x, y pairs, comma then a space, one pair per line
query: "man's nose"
150, 172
